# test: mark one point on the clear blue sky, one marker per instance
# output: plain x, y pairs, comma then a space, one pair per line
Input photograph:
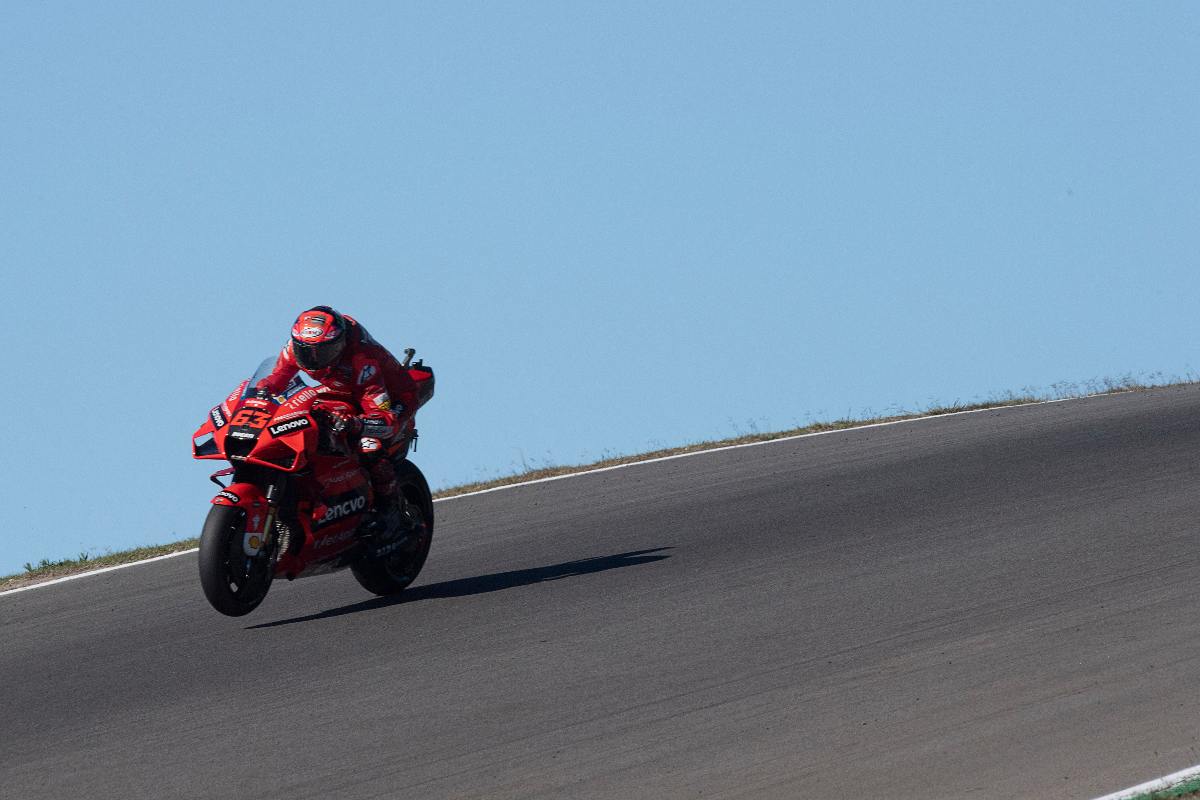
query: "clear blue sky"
610, 227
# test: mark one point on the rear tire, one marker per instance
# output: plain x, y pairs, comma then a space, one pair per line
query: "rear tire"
393, 573
233, 582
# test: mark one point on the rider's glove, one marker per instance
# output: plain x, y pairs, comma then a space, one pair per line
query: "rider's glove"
346, 425
376, 426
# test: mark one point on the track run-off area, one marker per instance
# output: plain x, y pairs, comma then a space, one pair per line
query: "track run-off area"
997, 604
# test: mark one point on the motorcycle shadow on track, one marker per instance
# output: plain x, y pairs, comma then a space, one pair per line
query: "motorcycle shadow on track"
482, 584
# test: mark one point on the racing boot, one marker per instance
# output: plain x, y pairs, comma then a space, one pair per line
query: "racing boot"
388, 514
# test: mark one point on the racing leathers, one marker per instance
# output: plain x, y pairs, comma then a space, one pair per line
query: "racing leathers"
365, 375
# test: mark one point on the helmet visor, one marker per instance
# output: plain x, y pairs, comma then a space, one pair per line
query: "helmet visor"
317, 355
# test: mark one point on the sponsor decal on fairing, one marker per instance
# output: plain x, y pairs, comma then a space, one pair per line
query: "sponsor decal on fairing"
230, 496
300, 398
218, 418
339, 509
288, 427
341, 477
333, 538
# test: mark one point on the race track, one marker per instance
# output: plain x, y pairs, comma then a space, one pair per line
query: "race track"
994, 605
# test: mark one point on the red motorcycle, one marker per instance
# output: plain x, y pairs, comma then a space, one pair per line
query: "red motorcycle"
299, 500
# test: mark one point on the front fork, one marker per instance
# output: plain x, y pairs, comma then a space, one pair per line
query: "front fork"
250, 497
267, 540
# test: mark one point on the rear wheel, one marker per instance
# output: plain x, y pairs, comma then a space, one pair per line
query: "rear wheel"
391, 573
233, 582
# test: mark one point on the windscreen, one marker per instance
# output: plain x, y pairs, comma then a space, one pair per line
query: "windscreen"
264, 369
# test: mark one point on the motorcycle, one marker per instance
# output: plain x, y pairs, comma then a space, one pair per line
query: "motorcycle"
299, 502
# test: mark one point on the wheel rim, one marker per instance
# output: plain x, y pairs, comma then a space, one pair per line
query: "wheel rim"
247, 577
406, 563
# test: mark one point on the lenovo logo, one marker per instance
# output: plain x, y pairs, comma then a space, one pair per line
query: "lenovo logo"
288, 427
344, 509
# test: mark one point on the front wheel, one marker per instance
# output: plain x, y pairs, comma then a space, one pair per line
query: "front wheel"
392, 573
233, 582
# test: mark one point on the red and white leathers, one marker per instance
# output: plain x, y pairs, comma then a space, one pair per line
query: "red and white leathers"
365, 374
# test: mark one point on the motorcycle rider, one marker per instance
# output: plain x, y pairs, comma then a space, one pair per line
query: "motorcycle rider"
335, 350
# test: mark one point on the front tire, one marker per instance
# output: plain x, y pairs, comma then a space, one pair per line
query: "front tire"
391, 574
233, 582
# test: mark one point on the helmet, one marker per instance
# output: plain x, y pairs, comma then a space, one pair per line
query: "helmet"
318, 337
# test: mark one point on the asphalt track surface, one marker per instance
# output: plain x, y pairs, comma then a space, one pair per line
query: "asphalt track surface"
1000, 604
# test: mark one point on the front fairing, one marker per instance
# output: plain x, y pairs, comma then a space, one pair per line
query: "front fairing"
254, 426
322, 506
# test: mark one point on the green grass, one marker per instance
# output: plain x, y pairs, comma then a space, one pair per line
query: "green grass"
48, 570
1188, 789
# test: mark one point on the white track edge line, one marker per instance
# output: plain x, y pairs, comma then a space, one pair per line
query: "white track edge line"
619, 466
100, 571
707, 450
1165, 782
